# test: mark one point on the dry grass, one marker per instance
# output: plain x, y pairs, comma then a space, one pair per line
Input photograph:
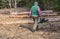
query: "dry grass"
22, 31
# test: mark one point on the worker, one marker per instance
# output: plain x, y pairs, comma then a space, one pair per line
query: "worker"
35, 13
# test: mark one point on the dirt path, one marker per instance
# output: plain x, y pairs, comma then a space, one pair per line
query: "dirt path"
22, 31
17, 31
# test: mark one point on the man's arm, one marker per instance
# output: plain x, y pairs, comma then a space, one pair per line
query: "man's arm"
30, 13
39, 11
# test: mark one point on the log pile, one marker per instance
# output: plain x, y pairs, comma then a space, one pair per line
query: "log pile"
23, 17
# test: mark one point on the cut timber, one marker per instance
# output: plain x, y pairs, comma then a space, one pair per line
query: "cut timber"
25, 13
26, 16
52, 14
41, 11
53, 19
48, 11
19, 16
27, 21
17, 22
14, 13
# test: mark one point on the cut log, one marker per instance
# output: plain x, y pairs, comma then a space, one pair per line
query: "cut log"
53, 19
27, 21
18, 22
26, 16
19, 16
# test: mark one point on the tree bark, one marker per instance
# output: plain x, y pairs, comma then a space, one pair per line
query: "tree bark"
9, 3
15, 4
44, 5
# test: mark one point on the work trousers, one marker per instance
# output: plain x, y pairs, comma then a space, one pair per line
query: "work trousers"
35, 19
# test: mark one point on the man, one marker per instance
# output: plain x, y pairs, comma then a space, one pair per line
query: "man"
35, 13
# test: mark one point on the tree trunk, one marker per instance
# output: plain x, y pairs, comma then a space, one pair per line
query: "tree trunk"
9, 3
48, 4
15, 4
44, 5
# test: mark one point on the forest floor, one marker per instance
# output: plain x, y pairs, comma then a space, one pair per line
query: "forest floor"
22, 31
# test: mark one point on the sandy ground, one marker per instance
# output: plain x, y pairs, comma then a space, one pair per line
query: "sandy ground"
22, 31
17, 31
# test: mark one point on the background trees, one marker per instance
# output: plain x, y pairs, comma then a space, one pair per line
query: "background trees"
44, 4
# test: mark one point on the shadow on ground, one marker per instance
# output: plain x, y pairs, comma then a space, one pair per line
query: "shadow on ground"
53, 28
53, 31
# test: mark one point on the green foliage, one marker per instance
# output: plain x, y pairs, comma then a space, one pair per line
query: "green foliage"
44, 4
3, 4
56, 5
